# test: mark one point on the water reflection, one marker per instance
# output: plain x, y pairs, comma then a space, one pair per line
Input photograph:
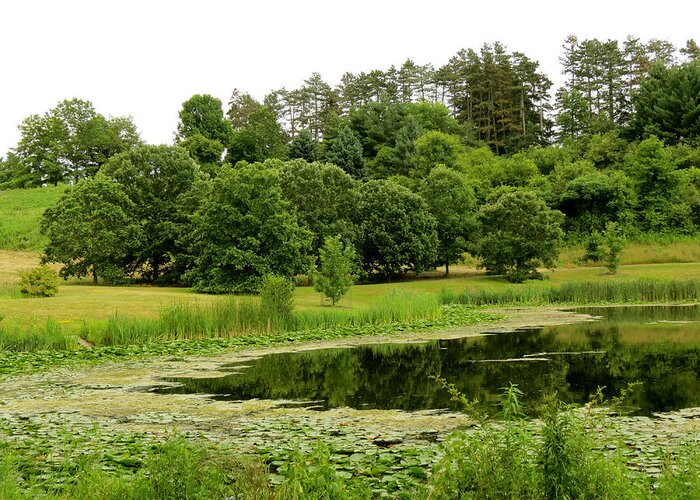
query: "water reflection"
659, 346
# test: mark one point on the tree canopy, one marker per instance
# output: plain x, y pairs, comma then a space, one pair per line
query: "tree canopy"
91, 231
243, 230
154, 178
397, 231
519, 233
68, 143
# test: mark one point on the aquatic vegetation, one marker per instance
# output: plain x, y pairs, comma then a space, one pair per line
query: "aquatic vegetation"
632, 291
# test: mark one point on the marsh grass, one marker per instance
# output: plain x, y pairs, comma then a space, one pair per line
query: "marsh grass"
10, 291
559, 459
631, 291
40, 336
244, 315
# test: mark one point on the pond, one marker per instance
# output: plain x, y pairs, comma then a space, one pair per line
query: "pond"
658, 346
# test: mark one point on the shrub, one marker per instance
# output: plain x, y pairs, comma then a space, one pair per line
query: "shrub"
594, 248
615, 242
277, 296
41, 281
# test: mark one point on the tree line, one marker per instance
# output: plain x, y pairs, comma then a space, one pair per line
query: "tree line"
411, 167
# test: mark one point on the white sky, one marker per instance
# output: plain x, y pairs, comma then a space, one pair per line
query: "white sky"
145, 57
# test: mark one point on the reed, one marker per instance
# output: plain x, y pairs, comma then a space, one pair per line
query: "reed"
632, 291
244, 315
46, 336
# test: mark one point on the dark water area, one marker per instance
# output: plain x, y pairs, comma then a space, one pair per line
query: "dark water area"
658, 346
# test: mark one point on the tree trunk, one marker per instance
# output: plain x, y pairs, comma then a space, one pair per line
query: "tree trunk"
447, 268
94, 277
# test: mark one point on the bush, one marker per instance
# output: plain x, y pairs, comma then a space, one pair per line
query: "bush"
277, 296
41, 281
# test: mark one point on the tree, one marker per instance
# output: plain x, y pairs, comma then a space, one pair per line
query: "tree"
259, 140
335, 276
435, 148
593, 199
91, 230
519, 233
206, 152
240, 107
451, 201
397, 232
70, 142
662, 204
303, 146
346, 152
324, 197
691, 50
667, 104
203, 115
615, 242
154, 178
243, 230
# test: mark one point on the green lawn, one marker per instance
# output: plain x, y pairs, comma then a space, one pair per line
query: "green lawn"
20, 242
20, 213
76, 302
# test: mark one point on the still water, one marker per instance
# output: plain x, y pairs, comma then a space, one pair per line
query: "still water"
658, 346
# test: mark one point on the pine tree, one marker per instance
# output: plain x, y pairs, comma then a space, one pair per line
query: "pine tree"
346, 152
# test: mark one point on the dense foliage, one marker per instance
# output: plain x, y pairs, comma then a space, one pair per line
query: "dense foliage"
243, 230
519, 234
411, 155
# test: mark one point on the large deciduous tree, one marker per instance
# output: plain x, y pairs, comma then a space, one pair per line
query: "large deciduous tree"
154, 178
259, 140
204, 115
243, 230
324, 197
204, 131
519, 233
68, 143
91, 230
397, 232
452, 202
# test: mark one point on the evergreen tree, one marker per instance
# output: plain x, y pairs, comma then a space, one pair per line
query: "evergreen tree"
346, 152
303, 146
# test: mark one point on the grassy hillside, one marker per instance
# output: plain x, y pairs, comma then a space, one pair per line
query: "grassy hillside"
20, 213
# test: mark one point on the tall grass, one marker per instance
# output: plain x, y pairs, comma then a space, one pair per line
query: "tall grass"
10, 291
647, 248
43, 336
641, 290
244, 315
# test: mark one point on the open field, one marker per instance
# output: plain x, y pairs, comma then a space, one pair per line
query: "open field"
80, 301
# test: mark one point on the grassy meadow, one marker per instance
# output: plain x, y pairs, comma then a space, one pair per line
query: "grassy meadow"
81, 307
20, 212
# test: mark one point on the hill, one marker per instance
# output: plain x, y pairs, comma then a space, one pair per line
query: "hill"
20, 214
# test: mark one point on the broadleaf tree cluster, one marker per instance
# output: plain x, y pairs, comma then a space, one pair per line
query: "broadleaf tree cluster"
413, 166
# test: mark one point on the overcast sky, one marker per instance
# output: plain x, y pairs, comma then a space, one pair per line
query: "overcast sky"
145, 57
